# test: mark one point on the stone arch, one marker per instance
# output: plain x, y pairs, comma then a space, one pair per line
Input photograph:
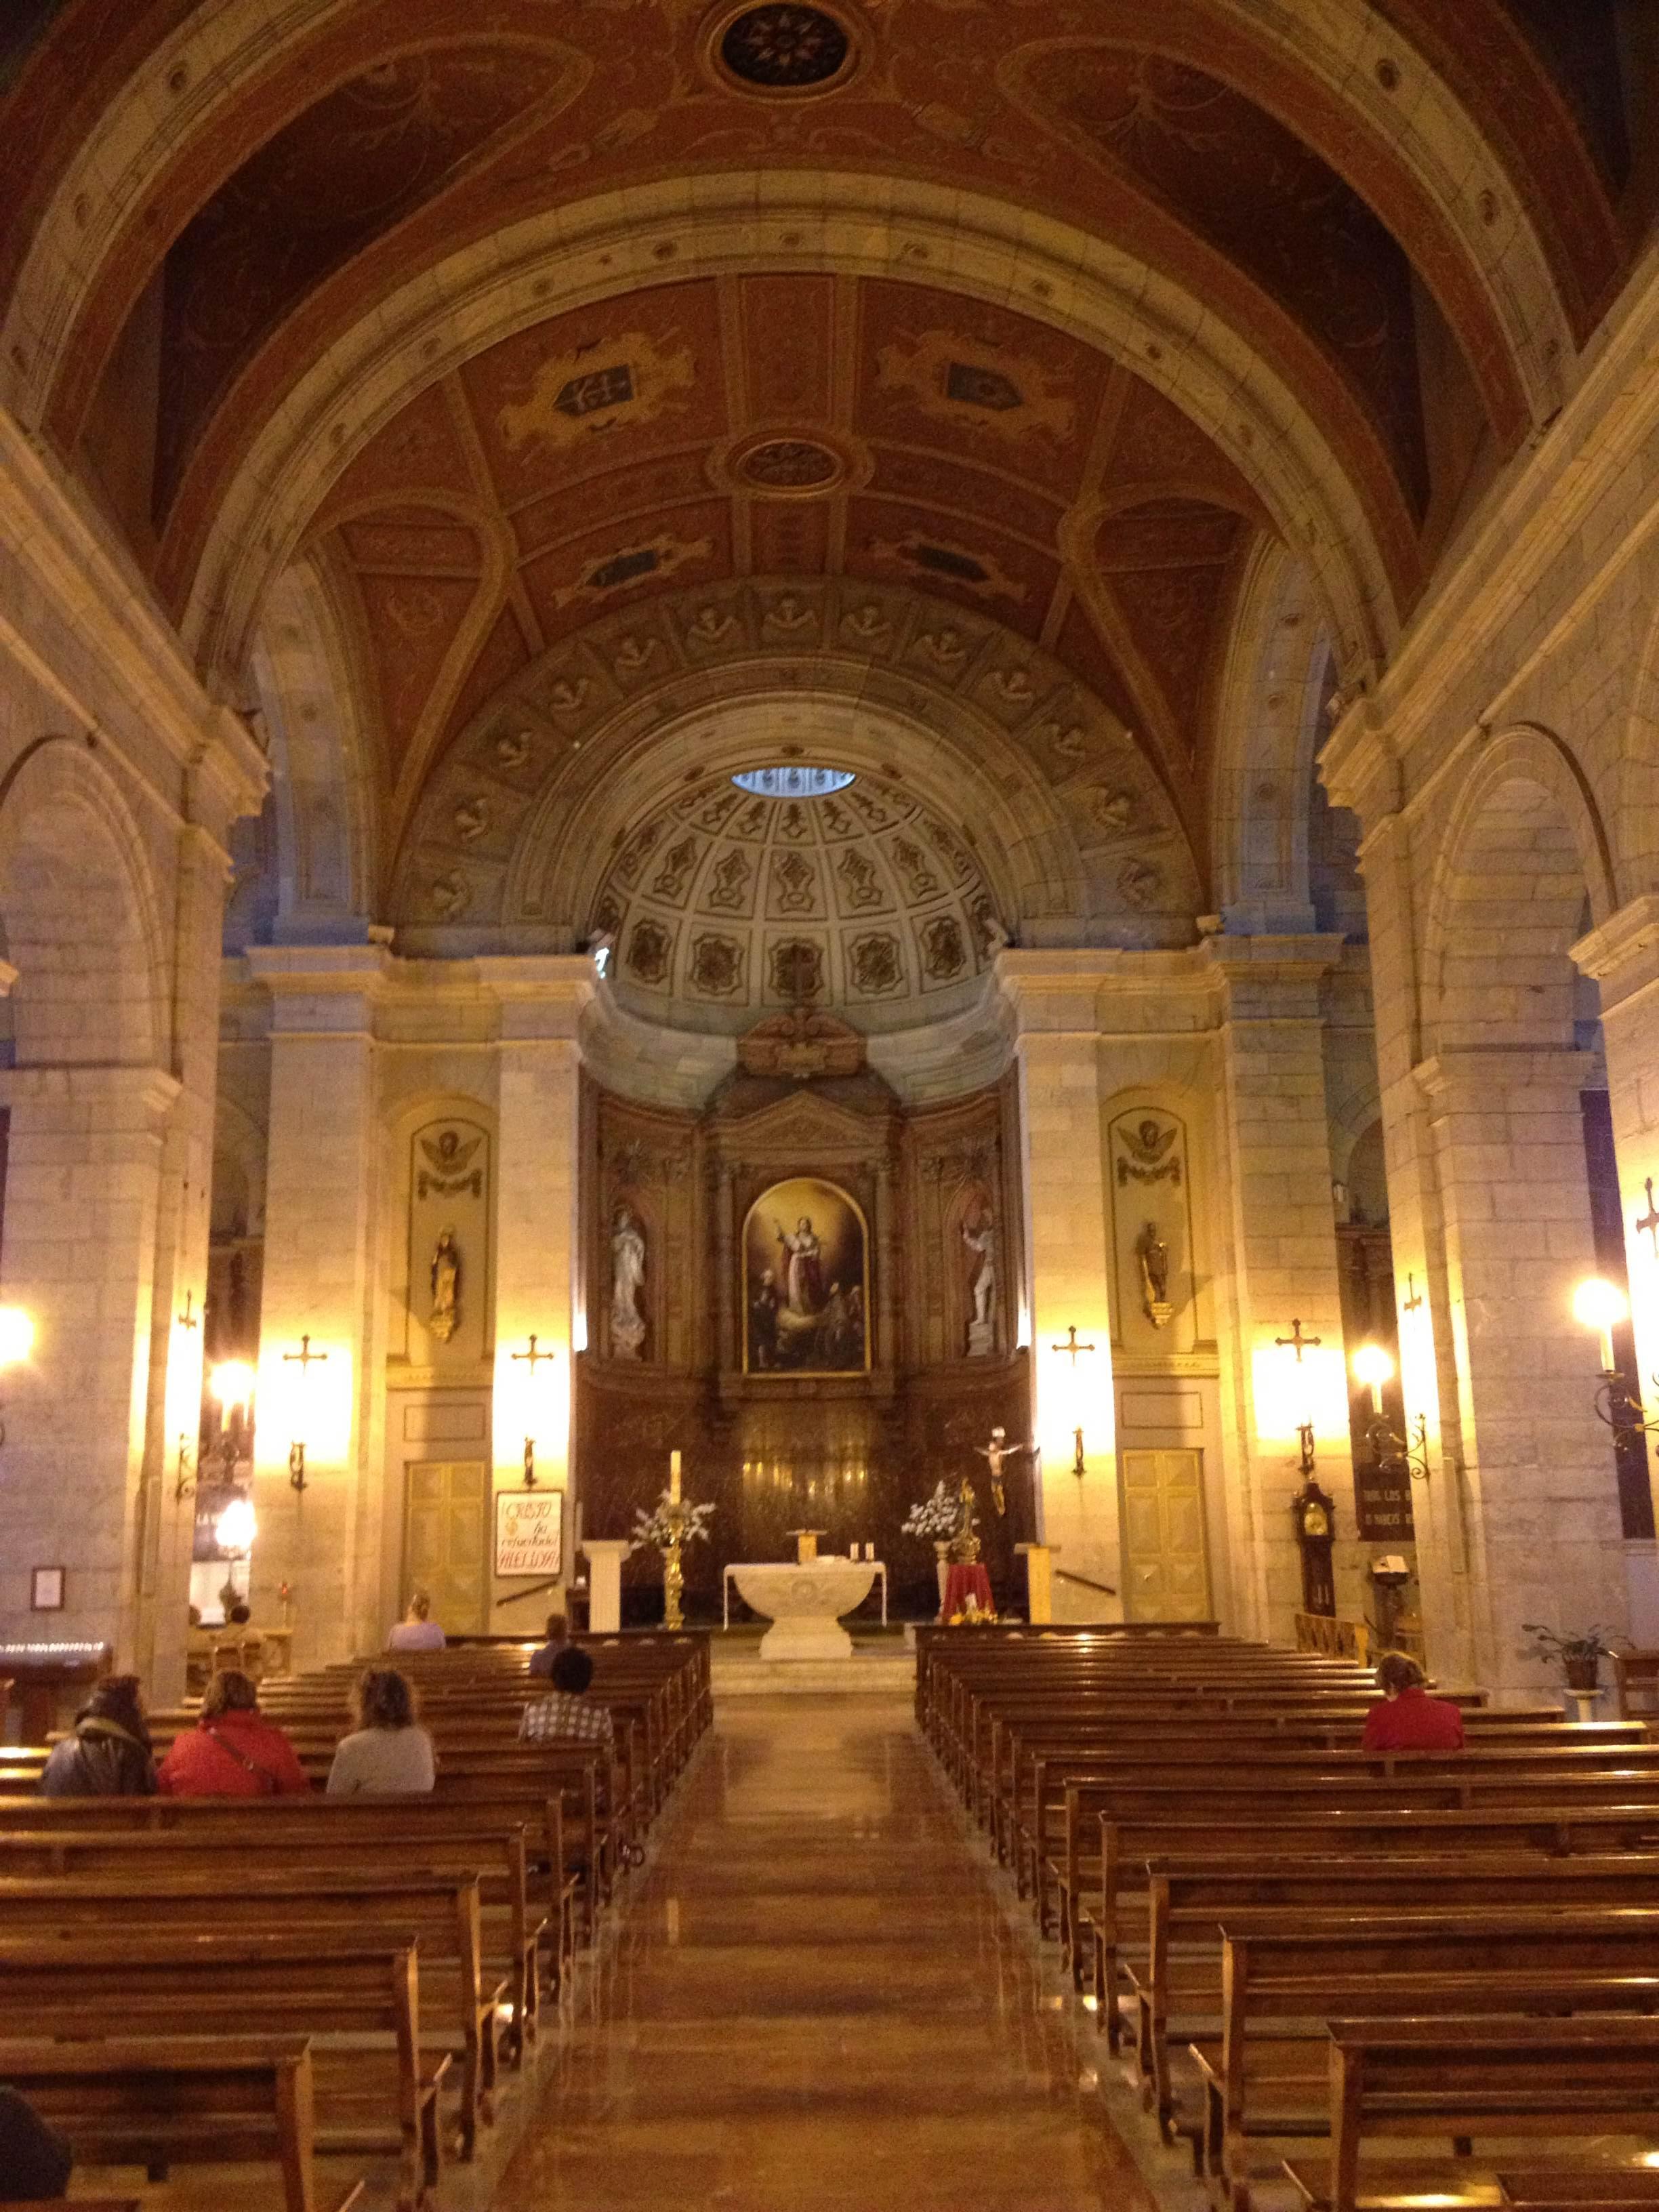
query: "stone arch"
83, 927
854, 226
1269, 727
1635, 801
1070, 826
323, 793
1524, 845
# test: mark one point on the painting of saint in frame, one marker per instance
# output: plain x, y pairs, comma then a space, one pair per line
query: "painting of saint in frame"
805, 1281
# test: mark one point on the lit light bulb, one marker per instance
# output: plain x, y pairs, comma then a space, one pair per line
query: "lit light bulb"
231, 1384
1373, 1367
236, 1527
16, 1335
1599, 1305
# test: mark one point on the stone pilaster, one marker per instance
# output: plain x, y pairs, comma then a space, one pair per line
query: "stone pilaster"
537, 1229
321, 1274
1068, 1238
1276, 1145
83, 1191
1538, 1497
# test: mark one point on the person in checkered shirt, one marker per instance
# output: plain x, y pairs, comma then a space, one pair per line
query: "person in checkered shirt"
569, 1715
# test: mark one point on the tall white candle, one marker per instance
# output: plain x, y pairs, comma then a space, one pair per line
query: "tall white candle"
674, 1476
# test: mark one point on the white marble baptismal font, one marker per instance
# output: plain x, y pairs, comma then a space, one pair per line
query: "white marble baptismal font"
803, 1600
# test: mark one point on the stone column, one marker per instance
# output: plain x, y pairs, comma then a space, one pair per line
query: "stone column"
1541, 1502
1276, 1141
83, 1184
1623, 958
322, 1276
1052, 996
537, 1243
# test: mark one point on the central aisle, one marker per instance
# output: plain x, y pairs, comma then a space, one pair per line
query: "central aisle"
817, 2002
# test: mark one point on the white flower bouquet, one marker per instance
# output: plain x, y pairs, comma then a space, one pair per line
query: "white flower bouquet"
668, 1518
937, 1519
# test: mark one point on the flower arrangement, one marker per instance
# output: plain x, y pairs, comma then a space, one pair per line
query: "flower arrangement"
1579, 1655
667, 1520
937, 1518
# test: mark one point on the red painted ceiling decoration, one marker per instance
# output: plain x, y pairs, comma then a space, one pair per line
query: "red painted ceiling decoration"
956, 447
800, 425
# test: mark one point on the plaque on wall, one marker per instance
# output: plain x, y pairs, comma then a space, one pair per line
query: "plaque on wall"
1383, 1503
805, 1281
529, 1532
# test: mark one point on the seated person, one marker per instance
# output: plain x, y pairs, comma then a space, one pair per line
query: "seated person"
232, 1751
417, 1631
1409, 1719
569, 1715
541, 1661
109, 1754
34, 2159
388, 1754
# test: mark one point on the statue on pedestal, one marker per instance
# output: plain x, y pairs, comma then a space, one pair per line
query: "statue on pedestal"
446, 1276
981, 1240
627, 1284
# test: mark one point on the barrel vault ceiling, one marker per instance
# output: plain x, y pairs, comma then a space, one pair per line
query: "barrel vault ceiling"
798, 423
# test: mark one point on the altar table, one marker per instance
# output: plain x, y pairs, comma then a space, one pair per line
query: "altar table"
804, 1603
881, 1577
962, 1582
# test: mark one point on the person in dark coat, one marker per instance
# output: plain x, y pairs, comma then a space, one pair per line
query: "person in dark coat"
34, 2160
109, 1754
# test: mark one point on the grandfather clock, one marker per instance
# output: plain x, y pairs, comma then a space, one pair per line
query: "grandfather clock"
1314, 1508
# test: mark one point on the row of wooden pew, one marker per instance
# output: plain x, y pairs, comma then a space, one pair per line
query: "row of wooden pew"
290, 1979
1366, 1982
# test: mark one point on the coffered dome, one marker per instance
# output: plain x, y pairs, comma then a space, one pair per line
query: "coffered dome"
730, 904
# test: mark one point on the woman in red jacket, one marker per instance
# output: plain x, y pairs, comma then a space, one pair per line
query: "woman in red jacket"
232, 1751
1409, 1719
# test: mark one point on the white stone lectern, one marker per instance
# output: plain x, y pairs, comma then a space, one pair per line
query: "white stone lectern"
604, 1556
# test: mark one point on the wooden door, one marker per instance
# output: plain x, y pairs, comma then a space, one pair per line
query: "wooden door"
1166, 1558
447, 1539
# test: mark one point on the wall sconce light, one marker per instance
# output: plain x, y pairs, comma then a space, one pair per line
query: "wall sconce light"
305, 1359
532, 1359
1073, 1348
16, 1342
1600, 1305
1305, 1430
1394, 1454
230, 1385
235, 1530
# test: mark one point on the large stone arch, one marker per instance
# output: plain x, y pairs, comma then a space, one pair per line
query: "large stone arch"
1525, 844
83, 923
1074, 834
324, 791
1268, 729
855, 227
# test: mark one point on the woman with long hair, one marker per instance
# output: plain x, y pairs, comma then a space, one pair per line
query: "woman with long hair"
388, 1752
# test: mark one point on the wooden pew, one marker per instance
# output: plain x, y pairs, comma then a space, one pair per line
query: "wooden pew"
371, 2096
1131, 1841
1190, 1902
215, 2101
441, 1913
1579, 2079
1265, 2077
492, 1857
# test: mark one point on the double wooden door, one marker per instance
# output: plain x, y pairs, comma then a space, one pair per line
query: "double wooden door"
447, 1539
1166, 1556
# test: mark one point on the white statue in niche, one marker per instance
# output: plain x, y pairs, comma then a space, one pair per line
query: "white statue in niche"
981, 1238
627, 1284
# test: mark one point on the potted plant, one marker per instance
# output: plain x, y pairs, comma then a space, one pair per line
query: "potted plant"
1580, 1656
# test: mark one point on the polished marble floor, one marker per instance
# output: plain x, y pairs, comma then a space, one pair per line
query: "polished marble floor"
818, 2002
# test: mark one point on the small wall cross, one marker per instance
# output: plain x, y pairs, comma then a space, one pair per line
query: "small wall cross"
533, 1356
1649, 1220
1297, 1342
1415, 1298
1072, 1345
305, 1357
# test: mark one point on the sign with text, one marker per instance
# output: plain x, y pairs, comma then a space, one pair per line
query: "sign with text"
1383, 1505
529, 1532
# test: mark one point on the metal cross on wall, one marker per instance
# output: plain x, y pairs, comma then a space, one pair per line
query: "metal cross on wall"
1297, 1342
1649, 1220
1072, 1345
305, 1357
